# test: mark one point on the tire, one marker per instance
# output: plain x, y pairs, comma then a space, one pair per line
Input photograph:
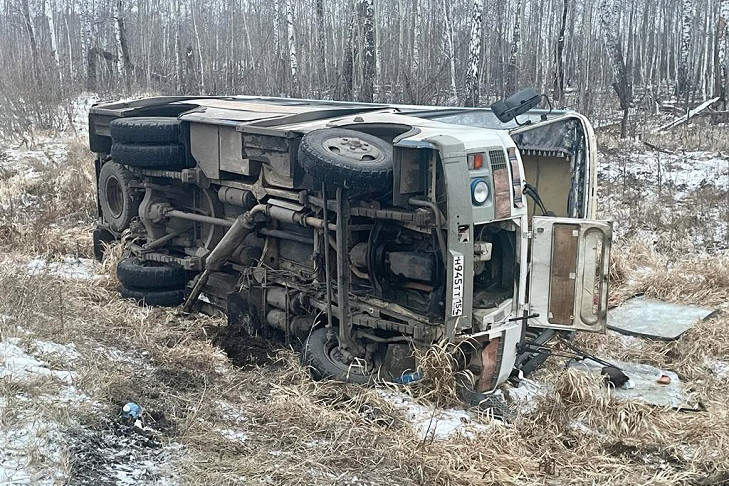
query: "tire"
317, 354
101, 238
162, 157
118, 200
138, 274
161, 298
347, 158
145, 130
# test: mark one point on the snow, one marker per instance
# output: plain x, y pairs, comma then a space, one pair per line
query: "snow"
70, 268
719, 368
435, 424
526, 395
19, 365
233, 435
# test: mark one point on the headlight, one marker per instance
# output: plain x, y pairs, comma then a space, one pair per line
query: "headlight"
479, 191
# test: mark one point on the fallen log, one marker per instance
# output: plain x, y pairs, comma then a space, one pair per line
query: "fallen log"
689, 114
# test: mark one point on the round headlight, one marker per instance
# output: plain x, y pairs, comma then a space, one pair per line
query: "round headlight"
479, 191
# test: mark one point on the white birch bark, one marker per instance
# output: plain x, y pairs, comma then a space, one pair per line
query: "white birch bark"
474, 56
722, 36
48, 11
448, 26
293, 59
120, 65
687, 15
417, 19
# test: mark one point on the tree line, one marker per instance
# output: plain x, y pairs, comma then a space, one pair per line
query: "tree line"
596, 56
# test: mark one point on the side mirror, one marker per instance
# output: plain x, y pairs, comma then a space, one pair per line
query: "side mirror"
516, 104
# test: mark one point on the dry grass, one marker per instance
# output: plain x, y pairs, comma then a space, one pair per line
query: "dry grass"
270, 424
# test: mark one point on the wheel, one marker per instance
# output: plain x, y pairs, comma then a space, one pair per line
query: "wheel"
161, 298
162, 157
118, 200
145, 130
135, 273
101, 238
321, 355
347, 157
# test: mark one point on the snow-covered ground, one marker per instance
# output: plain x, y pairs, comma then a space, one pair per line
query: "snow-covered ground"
681, 200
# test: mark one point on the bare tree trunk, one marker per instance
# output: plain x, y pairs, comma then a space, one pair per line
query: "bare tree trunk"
179, 76
558, 91
474, 56
608, 19
378, 58
123, 62
682, 83
722, 63
48, 10
417, 21
348, 67
448, 26
321, 45
199, 50
366, 13
293, 60
511, 68
33, 43
91, 56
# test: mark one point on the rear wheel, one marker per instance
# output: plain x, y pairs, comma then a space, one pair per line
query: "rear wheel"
161, 157
119, 201
145, 130
162, 298
135, 273
325, 360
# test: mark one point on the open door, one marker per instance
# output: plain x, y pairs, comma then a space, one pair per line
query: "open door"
568, 283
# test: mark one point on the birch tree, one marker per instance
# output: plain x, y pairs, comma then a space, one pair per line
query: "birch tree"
558, 91
511, 68
451, 50
722, 63
608, 21
474, 56
366, 12
48, 10
293, 59
682, 83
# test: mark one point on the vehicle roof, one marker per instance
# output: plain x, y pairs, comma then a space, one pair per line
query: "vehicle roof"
303, 114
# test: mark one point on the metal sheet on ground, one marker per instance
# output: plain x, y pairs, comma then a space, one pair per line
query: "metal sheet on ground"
647, 389
653, 318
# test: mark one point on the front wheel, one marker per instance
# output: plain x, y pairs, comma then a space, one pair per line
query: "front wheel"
322, 355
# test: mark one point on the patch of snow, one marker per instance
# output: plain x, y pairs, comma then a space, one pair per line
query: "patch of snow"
66, 351
526, 395
233, 435
435, 424
69, 268
719, 368
17, 364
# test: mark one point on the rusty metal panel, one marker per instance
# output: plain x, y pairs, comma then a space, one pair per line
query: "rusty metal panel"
563, 274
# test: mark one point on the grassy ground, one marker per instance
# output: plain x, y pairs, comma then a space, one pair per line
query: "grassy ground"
83, 353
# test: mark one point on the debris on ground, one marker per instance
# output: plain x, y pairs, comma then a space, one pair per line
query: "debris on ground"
650, 385
656, 319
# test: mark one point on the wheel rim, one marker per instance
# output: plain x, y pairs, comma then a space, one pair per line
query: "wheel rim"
357, 367
114, 196
352, 148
